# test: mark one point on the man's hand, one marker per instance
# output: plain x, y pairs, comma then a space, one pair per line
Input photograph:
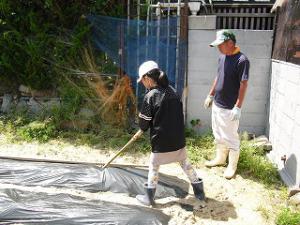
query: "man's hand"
208, 101
235, 113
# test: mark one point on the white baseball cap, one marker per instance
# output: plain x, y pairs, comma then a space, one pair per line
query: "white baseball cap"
145, 68
223, 35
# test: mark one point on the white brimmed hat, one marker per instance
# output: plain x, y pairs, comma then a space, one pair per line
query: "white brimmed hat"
145, 68
223, 35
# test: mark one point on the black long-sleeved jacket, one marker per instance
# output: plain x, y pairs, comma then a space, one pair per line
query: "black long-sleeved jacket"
162, 112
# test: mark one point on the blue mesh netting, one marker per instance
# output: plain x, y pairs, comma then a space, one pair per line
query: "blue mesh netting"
140, 40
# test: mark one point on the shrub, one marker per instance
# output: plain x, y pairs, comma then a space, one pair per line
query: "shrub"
37, 130
253, 163
36, 33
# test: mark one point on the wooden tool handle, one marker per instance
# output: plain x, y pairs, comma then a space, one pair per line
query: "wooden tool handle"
136, 136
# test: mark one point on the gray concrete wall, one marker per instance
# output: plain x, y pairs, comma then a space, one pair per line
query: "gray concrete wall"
284, 120
202, 69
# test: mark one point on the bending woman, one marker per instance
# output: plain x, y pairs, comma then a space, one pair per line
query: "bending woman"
162, 112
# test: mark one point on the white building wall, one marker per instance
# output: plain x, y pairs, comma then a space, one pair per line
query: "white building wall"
202, 69
284, 120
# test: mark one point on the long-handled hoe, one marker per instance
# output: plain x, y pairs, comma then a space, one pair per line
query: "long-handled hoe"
133, 139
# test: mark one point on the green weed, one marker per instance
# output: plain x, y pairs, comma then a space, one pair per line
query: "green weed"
288, 216
254, 163
42, 32
79, 138
37, 130
199, 148
266, 214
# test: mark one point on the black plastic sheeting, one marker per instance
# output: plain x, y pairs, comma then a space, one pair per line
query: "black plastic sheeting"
87, 178
26, 207
23, 207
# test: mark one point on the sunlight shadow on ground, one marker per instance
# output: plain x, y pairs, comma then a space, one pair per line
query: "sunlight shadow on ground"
211, 209
217, 210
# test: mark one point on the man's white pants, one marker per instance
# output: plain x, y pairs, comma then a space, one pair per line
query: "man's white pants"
225, 131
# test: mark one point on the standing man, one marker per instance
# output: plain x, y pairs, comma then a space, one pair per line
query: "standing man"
226, 97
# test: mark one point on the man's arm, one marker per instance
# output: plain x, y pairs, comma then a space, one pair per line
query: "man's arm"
209, 99
242, 93
213, 87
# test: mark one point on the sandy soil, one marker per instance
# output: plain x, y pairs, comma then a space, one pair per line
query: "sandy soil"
239, 201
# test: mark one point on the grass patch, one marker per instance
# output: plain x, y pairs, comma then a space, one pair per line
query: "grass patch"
254, 163
107, 137
37, 130
287, 216
23, 128
265, 213
200, 148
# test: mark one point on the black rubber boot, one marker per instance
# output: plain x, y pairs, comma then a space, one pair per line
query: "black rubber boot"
198, 189
148, 198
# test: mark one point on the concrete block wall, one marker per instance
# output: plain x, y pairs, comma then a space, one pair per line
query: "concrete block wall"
284, 120
202, 69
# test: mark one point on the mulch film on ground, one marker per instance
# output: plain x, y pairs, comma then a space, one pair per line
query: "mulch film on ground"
24, 206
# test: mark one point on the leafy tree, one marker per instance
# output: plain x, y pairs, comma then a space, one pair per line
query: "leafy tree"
36, 33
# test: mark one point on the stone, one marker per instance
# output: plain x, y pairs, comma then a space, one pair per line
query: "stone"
293, 191
6, 103
43, 93
24, 90
247, 136
263, 142
86, 113
51, 104
294, 200
34, 106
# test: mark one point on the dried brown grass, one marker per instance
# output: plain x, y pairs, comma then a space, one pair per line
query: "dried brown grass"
116, 104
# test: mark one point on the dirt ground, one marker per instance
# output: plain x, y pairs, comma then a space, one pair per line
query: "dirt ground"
239, 201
